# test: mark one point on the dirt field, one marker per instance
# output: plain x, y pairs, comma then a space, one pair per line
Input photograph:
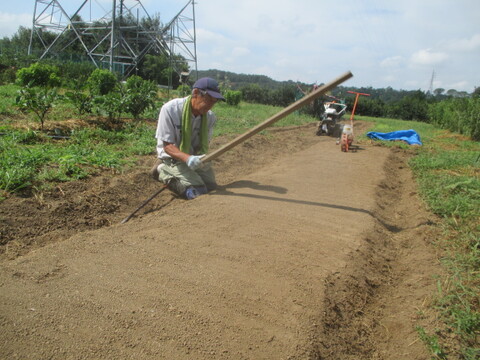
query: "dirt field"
304, 252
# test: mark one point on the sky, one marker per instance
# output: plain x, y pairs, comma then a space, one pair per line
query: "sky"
403, 44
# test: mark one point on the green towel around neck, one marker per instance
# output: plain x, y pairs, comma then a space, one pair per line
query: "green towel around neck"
185, 144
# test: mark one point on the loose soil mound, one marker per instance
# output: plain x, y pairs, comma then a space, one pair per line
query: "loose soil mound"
304, 252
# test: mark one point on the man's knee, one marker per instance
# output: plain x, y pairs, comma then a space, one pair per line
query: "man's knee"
155, 171
176, 186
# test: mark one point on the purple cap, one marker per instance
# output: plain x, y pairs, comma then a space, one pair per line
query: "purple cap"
210, 86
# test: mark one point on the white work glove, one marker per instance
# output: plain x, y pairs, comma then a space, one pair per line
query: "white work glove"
194, 162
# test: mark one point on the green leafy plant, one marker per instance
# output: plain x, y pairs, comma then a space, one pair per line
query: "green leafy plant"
81, 100
184, 90
39, 74
8, 75
101, 82
8, 94
110, 104
139, 96
459, 115
431, 341
37, 100
75, 74
233, 97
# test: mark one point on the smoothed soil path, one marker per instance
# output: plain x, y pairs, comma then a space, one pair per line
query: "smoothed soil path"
305, 252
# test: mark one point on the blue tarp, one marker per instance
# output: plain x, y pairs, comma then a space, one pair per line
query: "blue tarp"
409, 136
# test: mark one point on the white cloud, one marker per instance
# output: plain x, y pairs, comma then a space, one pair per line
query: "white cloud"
207, 36
9, 23
393, 61
240, 51
466, 44
413, 84
389, 78
428, 57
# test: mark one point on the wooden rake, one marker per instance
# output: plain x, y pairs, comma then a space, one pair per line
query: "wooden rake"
240, 139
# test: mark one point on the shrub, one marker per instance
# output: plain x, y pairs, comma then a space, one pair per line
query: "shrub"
75, 75
37, 100
8, 76
458, 115
80, 100
184, 90
110, 104
139, 95
101, 82
411, 107
39, 74
282, 97
253, 93
233, 97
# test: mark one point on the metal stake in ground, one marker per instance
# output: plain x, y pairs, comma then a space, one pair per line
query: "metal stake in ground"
280, 115
143, 204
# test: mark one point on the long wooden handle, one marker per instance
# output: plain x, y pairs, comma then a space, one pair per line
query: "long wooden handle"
280, 115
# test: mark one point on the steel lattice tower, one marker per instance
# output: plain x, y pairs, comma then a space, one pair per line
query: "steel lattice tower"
117, 38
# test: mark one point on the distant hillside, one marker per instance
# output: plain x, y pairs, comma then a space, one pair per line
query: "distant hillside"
237, 81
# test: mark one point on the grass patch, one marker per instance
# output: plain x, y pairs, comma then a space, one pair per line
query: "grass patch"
432, 343
450, 181
7, 100
32, 159
241, 118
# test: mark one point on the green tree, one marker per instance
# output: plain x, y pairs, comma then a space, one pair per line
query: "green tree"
476, 92
154, 68
253, 93
438, 92
411, 107
370, 107
13, 52
75, 75
21, 40
157, 68
283, 96
452, 92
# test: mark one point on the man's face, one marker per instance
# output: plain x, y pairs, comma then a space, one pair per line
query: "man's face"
202, 102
